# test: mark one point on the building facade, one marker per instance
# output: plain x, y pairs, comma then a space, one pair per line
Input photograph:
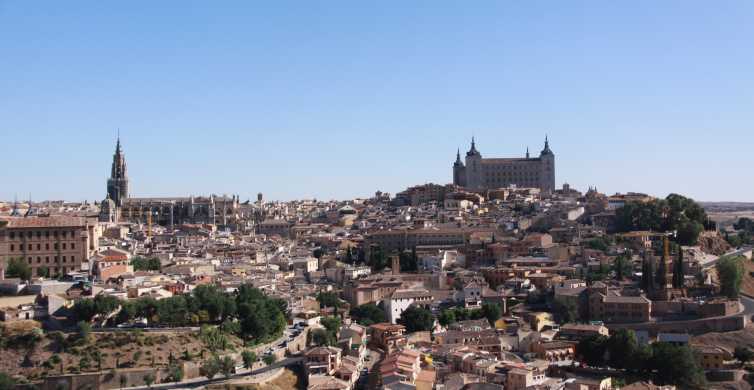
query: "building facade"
477, 173
119, 207
52, 246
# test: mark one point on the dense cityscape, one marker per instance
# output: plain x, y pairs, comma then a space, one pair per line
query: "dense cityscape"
497, 281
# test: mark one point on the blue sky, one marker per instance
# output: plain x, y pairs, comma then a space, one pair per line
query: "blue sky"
333, 99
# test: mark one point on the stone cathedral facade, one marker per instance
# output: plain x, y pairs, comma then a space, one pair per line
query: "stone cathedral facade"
477, 173
118, 206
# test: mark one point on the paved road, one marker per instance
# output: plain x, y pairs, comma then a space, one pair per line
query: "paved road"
748, 304
202, 381
734, 252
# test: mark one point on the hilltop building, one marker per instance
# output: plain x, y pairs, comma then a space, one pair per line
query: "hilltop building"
119, 207
478, 173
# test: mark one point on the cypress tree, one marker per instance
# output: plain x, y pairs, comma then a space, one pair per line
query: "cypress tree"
662, 268
678, 270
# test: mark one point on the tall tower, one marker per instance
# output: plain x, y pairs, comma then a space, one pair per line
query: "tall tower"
547, 173
474, 167
117, 184
459, 171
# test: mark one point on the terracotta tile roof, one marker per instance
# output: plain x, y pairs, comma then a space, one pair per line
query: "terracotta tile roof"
45, 222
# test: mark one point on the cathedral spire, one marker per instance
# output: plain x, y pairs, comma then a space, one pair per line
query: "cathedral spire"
527, 152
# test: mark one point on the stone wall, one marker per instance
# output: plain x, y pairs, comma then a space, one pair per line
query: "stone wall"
699, 326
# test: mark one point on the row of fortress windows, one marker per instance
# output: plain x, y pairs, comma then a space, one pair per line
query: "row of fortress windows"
39, 234
55, 246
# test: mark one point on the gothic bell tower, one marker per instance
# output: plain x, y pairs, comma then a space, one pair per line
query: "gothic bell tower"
117, 184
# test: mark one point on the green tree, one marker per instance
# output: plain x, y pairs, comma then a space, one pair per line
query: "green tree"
269, 359
621, 348
149, 379
18, 268
417, 319
662, 272
447, 317
84, 331
145, 264
676, 365
6, 382
249, 357
492, 312
227, 366
377, 259
564, 311
175, 372
210, 368
592, 350
328, 299
647, 281
368, 314
678, 276
321, 337
743, 354
599, 243
730, 271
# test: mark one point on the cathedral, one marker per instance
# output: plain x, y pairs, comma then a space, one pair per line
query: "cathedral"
477, 173
119, 207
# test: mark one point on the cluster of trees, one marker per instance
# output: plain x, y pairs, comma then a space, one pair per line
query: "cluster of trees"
564, 311
328, 299
490, 311
417, 319
599, 243
354, 255
216, 365
368, 314
745, 236
87, 309
328, 335
674, 213
248, 313
663, 363
146, 264
18, 268
730, 270
409, 261
378, 260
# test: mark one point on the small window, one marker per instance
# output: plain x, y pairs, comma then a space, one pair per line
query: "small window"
73, 259
55, 245
47, 259
12, 235
47, 246
28, 234
64, 259
29, 246
63, 246
39, 234
39, 247
47, 233
12, 247
73, 245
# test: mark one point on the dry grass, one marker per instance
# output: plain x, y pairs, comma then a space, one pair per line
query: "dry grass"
727, 340
130, 349
286, 381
